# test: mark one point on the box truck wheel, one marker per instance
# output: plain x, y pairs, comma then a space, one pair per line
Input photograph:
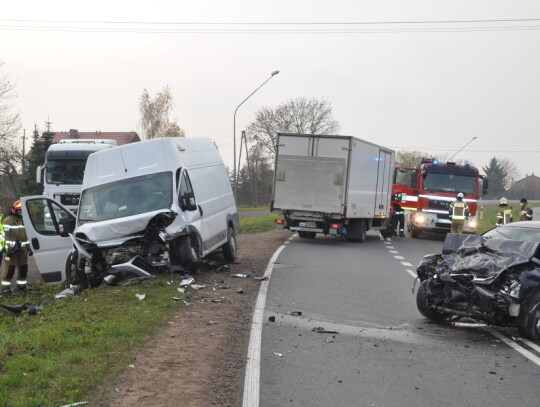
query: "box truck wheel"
356, 230
229, 248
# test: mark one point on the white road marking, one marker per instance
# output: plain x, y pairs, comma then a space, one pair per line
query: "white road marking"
412, 273
515, 346
399, 257
406, 264
393, 251
253, 365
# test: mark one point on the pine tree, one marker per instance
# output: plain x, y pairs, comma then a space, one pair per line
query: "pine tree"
35, 159
496, 175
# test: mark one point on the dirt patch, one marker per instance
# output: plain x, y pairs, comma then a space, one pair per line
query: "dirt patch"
198, 358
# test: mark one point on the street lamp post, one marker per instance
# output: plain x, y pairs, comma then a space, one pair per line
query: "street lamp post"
470, 141
235, 175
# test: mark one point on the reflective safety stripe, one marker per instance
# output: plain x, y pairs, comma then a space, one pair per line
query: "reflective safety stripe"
21, 282
13, 243
4, 282
8, 227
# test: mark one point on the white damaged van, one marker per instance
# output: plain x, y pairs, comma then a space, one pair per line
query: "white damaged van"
144, 206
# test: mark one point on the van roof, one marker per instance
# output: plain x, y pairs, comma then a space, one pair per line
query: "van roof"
149, 157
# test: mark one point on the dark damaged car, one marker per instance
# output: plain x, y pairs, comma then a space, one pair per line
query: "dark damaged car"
157, 205
490, 279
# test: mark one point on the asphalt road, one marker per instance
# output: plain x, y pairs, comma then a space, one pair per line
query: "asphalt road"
384, 352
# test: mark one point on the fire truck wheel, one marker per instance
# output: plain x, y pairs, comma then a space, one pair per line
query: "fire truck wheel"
415, 233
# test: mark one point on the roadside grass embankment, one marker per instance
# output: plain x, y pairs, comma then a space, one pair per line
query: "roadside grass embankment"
489, 219
74, 346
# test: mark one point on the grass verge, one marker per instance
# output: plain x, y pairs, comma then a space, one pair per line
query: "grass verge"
258, 224
60, 355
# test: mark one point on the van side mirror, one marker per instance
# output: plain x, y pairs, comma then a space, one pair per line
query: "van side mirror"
187, 202
66, 224
485, 187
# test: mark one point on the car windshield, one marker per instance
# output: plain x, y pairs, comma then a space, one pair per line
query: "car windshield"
126, 197
69, 172
515, 233
436, 182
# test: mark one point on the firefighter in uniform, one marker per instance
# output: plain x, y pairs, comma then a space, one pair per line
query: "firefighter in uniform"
526, 211
504, 215
398, 218
17, 250
458, 212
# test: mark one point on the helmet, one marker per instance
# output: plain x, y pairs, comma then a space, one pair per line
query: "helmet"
460, 195
523, 200
503, 201
16, 206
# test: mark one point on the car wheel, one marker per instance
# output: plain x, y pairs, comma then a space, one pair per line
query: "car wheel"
307, 235
531, 318
422, 302
229, 248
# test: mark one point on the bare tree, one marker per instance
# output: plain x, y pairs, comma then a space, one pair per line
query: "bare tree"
10, 125
155, 121
300, 115
409, 158
511, 172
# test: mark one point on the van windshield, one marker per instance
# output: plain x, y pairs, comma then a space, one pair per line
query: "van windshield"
126, 197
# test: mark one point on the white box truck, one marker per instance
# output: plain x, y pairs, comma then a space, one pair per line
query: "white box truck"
331, 184
155, 205
63, 171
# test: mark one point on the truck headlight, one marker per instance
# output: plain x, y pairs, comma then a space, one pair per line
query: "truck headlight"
419, 218
473, 224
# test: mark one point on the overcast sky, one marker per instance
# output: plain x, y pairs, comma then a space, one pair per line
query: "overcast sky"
416, 86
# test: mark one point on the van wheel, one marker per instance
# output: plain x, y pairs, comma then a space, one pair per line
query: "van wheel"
187, 251
229, 248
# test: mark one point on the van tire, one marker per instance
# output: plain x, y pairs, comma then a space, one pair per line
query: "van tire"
186, 249
229, 248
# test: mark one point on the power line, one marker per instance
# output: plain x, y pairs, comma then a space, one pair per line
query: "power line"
506, 20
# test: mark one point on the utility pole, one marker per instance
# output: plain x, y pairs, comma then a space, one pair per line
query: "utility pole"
23, 150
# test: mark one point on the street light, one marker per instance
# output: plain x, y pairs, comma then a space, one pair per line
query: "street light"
234, 130
470, 141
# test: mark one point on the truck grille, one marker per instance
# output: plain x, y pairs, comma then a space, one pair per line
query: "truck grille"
439, 204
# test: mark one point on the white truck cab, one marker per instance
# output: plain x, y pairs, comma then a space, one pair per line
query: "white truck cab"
162, 203
63, 171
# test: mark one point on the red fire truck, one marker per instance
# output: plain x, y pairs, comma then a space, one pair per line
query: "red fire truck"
427, 190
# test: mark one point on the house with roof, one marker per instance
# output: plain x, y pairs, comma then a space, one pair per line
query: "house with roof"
528, 187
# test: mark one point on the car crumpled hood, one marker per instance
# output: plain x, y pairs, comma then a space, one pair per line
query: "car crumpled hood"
485, 257
117, 229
